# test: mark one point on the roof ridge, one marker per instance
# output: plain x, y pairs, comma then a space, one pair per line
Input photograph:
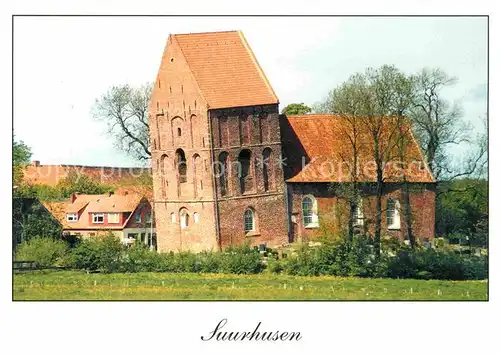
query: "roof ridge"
208, 32
256, 62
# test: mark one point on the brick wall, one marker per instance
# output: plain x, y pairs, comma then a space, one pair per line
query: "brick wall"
255, 130
333, 211
179, 120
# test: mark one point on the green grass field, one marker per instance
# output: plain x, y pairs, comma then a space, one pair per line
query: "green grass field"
66, 285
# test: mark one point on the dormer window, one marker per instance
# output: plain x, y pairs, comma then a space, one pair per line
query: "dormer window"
148, 218
97, 218
72, 217
113, 218
138, 218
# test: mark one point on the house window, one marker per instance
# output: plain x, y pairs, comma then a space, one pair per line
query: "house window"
172, 217
72, 217
184, 219
148, 218
393, 218
97, 218
195, 218
249, 221
310, 212
357, 217
114, 218
138, 218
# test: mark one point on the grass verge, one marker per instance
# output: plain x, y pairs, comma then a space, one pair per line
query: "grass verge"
74, 285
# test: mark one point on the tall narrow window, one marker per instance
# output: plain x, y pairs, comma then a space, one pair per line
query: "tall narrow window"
244, 171
310, 212
357, 217
180, 160
223, 173
179, 132
184, 218
267, 169
393, 218
163, 175
197, 174
249, 221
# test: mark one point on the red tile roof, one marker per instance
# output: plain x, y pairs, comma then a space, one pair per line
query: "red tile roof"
323, 142
114, 203
92, 203
225, 69
53, 174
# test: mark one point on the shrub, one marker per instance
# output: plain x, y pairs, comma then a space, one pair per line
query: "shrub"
476, 268
340, 258
98, 253
274, 266
433, 264
45, 251
241, 260
187, 262
210, 262
139, 258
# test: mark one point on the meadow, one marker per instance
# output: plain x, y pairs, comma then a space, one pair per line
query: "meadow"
79, 285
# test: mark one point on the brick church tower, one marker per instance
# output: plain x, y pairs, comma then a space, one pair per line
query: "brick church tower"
216, 146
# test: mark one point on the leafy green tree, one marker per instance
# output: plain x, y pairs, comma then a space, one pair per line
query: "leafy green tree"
21, 155
81, 183
296, 108
463, 210
30, 219
373, 97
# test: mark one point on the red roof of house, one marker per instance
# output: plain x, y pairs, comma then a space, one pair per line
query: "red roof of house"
318, 149
225, 69
53, 174
84, 204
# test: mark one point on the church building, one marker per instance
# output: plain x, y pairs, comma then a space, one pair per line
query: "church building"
229, 169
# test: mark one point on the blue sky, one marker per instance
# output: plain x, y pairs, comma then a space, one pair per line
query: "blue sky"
62, 64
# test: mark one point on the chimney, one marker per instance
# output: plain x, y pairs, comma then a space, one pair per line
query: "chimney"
72, 197
36, 163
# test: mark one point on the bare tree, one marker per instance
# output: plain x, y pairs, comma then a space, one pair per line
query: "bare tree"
347, 100
437, 123
125, 111
379, 95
